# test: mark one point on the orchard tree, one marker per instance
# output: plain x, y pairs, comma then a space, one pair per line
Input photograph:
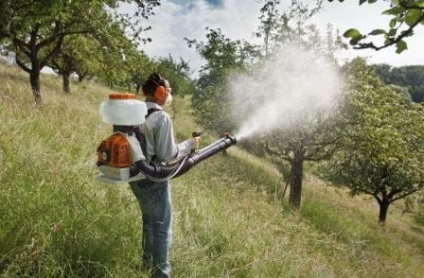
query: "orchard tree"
78, 54
138, 67
178, 73
301, 13
83, 53
269, 19
382, 151
224, 57
313, 139
36, 29
311, 136
117, 55
405, 16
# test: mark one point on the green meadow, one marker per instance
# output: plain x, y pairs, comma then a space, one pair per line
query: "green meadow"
57, 220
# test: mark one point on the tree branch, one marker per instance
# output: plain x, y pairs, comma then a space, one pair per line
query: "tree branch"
394, 40
52, 53
407, 193
21, 64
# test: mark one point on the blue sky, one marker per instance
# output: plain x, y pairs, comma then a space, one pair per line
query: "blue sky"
213, 3
238, 19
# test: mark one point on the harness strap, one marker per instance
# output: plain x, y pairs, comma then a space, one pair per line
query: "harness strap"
141, 137
151, 110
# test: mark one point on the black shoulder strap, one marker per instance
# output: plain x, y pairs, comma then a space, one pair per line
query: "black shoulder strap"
151, 110
139, 135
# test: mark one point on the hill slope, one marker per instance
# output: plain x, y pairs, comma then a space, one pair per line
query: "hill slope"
57, 220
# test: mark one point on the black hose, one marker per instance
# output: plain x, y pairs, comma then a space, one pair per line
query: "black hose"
163, 172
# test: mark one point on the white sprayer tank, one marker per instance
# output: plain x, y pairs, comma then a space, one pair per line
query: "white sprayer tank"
123, 109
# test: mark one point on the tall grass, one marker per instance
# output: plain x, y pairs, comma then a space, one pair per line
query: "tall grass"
56, 220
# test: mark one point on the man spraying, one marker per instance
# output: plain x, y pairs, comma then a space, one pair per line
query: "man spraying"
154, 196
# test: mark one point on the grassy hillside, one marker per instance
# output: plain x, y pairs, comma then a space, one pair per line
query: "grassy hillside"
56, 220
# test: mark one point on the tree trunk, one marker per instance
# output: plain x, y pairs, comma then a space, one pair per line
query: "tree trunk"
34, 79
296, 177
384, 207
65, 78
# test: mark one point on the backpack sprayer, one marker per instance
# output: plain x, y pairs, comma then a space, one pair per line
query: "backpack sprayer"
120, 157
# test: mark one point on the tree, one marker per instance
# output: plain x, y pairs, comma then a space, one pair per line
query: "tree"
269, 19
382, 149
301, 13
90, 52
277, 28
36, 29
76, 53
411, 78
406, 15
310, 136
312, 139
224, 57
178, 74
138, 67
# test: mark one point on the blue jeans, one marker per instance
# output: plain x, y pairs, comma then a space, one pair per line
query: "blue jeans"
155, 203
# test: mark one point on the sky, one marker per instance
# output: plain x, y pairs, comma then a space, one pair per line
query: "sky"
238, 19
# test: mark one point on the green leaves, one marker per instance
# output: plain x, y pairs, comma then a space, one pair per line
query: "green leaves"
354, 35
413, 16
376, 32
401, 46
397, 10
403, 15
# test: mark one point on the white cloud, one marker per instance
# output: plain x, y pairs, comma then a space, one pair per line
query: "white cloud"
238, 19
173, 22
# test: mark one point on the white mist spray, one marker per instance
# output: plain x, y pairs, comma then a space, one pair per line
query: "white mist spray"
289, 84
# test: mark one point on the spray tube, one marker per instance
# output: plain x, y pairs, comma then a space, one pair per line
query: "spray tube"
164, 172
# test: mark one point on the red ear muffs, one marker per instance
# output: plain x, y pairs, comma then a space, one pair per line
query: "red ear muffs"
160, 92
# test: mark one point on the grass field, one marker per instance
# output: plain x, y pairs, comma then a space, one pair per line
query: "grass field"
57, 220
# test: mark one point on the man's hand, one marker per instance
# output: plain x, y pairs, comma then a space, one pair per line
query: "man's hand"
196, 139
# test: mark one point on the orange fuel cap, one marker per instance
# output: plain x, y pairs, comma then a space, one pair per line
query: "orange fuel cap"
121, 96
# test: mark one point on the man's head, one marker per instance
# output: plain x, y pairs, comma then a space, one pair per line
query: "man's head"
157, 89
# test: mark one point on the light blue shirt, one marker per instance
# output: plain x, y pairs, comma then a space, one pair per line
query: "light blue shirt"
160, 141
